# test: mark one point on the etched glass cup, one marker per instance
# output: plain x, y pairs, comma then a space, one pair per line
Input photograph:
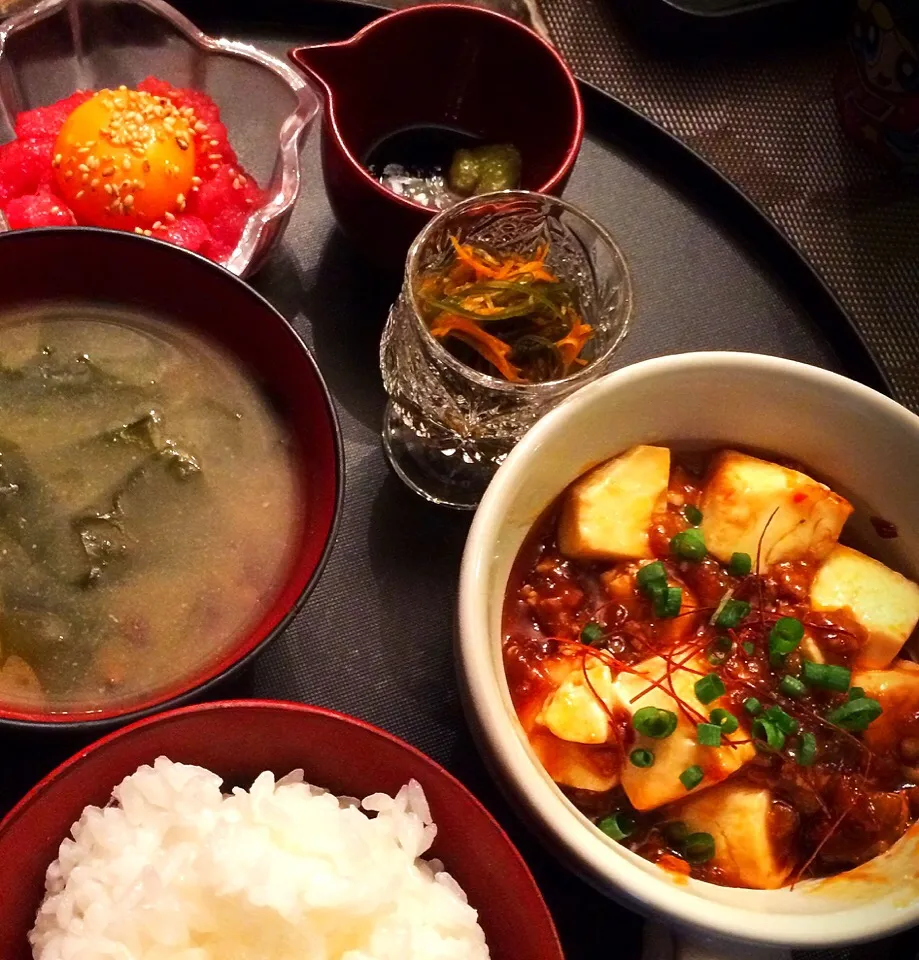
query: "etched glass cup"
448, 427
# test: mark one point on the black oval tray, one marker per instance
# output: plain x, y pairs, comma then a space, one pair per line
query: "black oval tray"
374, 640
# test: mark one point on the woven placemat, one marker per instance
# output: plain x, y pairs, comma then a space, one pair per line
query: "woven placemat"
767, 120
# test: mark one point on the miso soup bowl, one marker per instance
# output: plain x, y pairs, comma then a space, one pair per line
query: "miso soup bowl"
857, 440
147, 276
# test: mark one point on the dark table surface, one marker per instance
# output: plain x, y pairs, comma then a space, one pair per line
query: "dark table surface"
375, 638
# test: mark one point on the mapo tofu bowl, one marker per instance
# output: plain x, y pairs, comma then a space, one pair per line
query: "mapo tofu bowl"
170, 476
685, 636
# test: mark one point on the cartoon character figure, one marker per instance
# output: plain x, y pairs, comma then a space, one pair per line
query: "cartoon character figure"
878, 88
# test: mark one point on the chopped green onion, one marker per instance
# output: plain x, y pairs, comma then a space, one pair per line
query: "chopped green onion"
752, 706
689, 545
691, 777
785, 636
617, 826
693, 514
709, 688
740, 565
667, 602
716, 658
806, 753
749, 648
726, 721
855, 715
792, 687
641, 758
592, 633
698, 848
856, 693
650, 574
676, 832
654, 722
784, 721
708, 734
767, 735
732, 613
723, 642
826, 676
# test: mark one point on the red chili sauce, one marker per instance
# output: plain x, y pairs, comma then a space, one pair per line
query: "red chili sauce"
849, 805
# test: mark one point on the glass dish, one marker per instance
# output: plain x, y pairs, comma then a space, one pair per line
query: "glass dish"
51, 49
447, 427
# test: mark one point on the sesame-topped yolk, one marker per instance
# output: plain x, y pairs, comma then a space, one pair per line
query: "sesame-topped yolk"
126, 159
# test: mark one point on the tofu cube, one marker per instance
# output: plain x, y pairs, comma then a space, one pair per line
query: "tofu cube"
897, 691
577, 765
579, 711
752, 838
746, 499
885, 603
607, 513
650, 787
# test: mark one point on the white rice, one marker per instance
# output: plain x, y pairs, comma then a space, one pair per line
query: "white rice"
174, 870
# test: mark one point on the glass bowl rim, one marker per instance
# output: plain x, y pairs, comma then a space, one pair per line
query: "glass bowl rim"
251, 244
545, 388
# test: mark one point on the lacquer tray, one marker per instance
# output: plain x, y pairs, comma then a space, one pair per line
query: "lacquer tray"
709, 272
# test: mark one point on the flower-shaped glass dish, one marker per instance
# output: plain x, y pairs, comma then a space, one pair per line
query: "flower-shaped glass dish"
55, 47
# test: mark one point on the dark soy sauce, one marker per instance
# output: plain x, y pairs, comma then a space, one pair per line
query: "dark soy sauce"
414, 162
422, 150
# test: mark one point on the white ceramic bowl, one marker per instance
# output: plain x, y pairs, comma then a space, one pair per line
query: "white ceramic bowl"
862, 443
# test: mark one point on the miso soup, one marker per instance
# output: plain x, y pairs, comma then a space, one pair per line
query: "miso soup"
148, 504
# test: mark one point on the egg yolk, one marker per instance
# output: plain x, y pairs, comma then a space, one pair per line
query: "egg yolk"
126, 159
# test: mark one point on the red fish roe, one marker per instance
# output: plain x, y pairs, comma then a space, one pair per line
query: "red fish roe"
210, 219
46, 122
189, 232
25, 165
38, 210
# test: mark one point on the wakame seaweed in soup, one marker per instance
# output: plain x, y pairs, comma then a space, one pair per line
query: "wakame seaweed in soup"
148, 501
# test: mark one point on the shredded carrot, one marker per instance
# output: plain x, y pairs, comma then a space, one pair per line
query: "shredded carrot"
571, 345
514, 294
492, 349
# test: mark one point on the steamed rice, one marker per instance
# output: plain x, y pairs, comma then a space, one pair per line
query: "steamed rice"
173, 869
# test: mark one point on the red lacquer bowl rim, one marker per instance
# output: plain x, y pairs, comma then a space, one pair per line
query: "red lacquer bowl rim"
574, 147
35, 795
244, 651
